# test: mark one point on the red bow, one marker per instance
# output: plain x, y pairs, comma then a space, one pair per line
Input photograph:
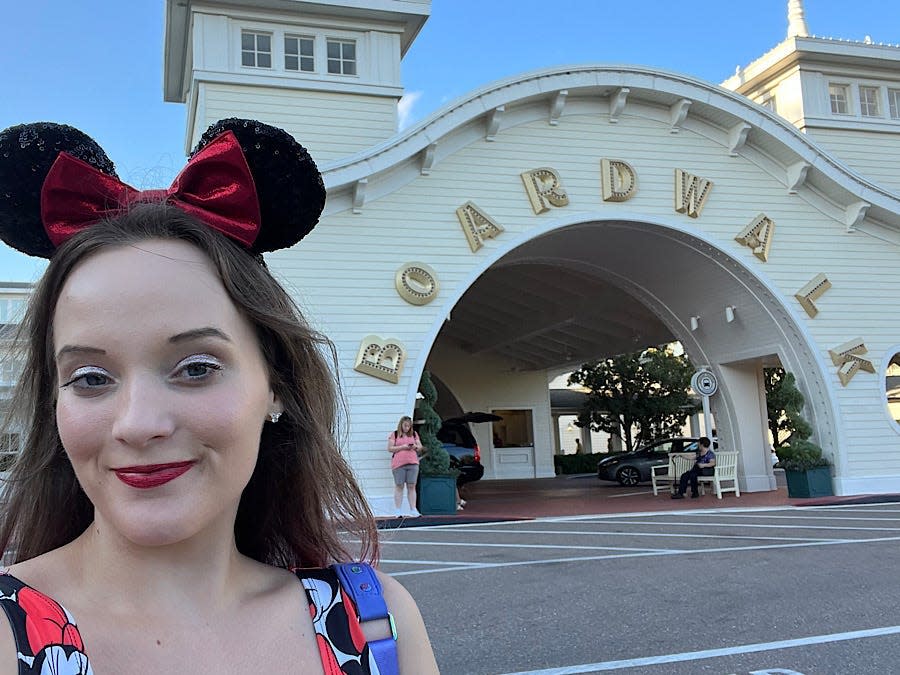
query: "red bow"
216, 187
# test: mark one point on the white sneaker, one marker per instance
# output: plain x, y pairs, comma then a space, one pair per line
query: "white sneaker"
399, 514
459, 507
462, 502
415, 514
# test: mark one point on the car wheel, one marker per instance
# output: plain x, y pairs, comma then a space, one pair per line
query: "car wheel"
628, 476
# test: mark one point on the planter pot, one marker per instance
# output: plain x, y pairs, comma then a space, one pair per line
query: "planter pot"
437, 495
811, 483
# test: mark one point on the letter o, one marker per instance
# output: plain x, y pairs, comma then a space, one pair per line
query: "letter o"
417, 283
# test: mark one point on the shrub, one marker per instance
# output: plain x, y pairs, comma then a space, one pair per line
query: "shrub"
801, 455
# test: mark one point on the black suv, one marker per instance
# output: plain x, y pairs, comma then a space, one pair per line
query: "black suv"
465, 455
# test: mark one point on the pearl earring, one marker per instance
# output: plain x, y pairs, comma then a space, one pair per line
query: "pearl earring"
274, 417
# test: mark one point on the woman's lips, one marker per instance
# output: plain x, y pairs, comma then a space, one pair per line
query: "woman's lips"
151, 475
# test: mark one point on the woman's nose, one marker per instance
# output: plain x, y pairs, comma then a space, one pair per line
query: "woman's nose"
144, 412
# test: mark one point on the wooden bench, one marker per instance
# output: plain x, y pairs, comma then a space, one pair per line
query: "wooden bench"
667, 475
725, 471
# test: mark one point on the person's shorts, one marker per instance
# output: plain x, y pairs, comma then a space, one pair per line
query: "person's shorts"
408, 473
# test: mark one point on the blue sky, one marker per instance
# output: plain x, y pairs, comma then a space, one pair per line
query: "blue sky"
97, 64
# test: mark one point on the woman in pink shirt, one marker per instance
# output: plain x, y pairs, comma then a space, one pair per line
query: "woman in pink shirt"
405, 447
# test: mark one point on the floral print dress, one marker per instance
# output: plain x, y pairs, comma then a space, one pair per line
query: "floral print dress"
48, 641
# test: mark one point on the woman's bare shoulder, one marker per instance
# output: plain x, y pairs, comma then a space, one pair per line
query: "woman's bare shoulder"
413, 646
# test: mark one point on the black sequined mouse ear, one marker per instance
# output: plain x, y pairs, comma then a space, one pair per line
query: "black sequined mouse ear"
27, 152
288, 184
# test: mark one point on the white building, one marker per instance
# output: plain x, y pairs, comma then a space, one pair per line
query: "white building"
13, 297
564, 215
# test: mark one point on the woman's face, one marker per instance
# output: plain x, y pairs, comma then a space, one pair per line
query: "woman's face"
406, 426
163, 392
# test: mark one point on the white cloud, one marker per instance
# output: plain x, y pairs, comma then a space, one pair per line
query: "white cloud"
405, 106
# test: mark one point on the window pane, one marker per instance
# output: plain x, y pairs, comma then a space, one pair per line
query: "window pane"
350, 68
838, 95
349, 51
334, 50
264, 60
248, 43
894, 100
306, 47
868, 102
290, 45
264, 43
291, 63
334, 67
247, 59
307, 64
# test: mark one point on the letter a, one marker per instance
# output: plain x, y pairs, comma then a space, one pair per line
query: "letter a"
544, 189
690, 193
477, 225
758, 236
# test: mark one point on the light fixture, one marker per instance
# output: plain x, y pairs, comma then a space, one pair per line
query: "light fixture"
695, 322
729, 313
570, 427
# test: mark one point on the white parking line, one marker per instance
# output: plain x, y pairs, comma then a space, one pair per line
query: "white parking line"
724, 549
495, 530
824, 516
714, 653
508, 546
669, 523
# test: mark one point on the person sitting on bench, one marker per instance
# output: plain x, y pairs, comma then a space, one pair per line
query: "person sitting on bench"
703, 466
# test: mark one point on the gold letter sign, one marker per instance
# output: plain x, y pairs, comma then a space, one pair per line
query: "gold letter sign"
416, 283
381, 358
848, 360
619, 180
690, 193
544, 188
812, 292
758, 236
477, 225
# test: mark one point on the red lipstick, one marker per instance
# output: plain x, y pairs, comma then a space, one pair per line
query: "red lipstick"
151, 475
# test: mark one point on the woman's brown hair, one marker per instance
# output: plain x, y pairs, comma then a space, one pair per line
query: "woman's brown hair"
302, 492
405, 418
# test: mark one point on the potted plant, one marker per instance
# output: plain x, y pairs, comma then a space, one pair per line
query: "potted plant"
808, 474
437, 481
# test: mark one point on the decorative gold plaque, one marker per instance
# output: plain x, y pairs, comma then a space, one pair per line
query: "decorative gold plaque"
417, 283
477, 225
758, 236
381, 357
619, 180
847, 357
544, 189
812, 292
690, 193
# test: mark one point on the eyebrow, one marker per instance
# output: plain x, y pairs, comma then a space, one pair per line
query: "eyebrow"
199, 333
186, 336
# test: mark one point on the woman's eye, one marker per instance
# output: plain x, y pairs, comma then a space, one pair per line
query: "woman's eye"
87, 380
197, 370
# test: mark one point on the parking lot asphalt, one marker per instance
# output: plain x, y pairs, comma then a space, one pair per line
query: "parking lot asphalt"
698, 587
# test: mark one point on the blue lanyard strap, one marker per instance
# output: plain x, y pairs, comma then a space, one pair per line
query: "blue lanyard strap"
361, 583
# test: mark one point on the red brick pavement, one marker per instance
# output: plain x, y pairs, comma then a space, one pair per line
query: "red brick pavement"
571, 496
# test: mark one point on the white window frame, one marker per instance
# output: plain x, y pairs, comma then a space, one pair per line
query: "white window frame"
341, 60
256, 33
865, 104
6, 452
300, 38
847, 98
893, 96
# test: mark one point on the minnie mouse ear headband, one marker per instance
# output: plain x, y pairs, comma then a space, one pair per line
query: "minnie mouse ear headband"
253, 182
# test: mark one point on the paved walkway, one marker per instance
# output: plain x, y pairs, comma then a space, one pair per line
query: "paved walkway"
585, 495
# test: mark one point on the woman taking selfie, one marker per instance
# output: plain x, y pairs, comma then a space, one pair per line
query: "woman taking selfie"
180, 491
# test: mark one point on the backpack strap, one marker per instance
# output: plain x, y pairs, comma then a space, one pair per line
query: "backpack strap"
360, 582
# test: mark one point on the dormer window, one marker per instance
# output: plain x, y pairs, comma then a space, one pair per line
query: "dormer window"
868, 102
838, 93
894, 102
341, 57
299, 53
256, 49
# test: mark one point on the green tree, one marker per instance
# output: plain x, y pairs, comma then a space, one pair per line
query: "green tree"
784, 406
436, 460
646, 390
